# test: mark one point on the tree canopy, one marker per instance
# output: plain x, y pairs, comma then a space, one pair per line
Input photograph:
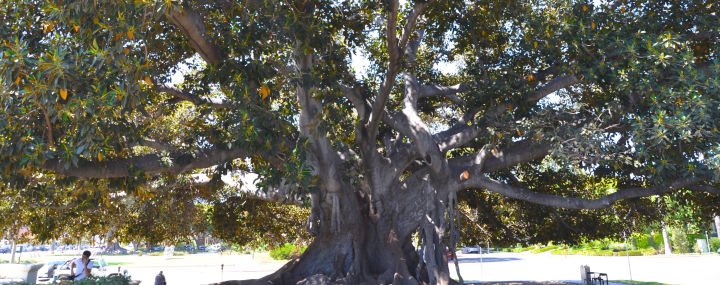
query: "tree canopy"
377, 115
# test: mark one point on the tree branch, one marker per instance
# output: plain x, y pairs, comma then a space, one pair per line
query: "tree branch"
356, 98
519, 152
460, 134
175, 163
418, 9
389, 80
445, 91
192, 25
528, 195
197, 100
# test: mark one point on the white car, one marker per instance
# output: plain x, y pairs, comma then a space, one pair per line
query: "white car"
471, 249
100, 269
47, 272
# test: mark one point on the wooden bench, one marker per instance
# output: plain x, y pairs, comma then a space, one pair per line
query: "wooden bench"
588, 277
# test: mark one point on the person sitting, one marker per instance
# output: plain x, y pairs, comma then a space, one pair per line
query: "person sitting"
83, 265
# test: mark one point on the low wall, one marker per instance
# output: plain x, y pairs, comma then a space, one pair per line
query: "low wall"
17, 273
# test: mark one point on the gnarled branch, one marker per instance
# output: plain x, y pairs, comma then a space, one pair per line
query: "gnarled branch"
517, 153
389, 80
528, 195
191, 24
443, 91
175, 163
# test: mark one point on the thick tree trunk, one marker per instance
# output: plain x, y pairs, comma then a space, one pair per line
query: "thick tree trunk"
368, 248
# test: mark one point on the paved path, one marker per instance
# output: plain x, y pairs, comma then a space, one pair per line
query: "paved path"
690, 270
543, 269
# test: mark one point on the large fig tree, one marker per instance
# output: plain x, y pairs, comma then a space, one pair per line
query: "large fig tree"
380, 113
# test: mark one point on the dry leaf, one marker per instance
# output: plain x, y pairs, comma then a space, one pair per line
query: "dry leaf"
264, 91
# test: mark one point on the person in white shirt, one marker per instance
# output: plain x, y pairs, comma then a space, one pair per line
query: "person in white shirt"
80, 269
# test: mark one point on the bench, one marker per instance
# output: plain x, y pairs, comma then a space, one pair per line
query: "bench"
588, 277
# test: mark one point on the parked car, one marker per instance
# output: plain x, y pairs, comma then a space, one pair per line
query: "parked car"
47, 272
157, 248
471, 249
100, 269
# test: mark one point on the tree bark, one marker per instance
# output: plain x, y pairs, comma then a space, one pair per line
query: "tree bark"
717, 226
372, 248
13, 249
666, 240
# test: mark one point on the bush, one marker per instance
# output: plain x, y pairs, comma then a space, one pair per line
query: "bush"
93, 280
544, 249
679, 241
633, 243
649, 251
287, 251
658, 240
522, 249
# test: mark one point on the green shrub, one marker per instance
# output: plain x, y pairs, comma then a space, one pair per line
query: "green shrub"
641, 241
658, 240
633, 244
287, 251
714, 244
649, 251
648, 241
94, 280
543, 249
522, 249
679, 241
600, 252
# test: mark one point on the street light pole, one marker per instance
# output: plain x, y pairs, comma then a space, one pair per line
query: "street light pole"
627, 253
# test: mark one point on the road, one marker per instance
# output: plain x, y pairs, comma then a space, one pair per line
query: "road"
678, 269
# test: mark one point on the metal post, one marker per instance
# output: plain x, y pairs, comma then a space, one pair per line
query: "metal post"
707, 242
481, 264
627, 253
